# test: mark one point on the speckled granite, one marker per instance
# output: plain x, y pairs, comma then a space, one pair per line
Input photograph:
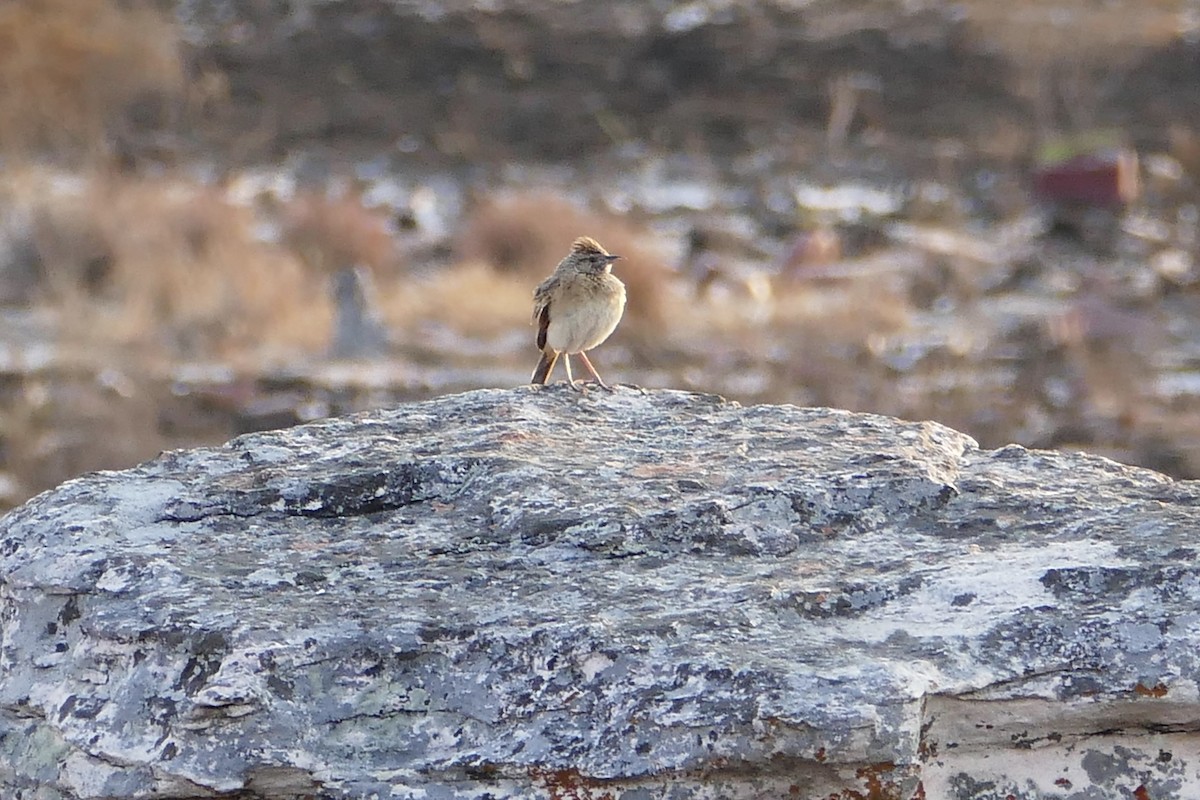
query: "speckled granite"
533, 593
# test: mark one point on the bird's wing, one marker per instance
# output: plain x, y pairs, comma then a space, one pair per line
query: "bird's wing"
543, 325
541, 308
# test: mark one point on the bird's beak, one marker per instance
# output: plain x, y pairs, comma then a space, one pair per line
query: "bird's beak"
611, 258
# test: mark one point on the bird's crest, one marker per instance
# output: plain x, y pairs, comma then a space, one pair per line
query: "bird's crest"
587, 245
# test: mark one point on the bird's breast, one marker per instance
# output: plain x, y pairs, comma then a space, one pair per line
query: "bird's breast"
586, 315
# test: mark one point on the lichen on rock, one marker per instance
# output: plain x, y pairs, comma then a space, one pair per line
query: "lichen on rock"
535, 592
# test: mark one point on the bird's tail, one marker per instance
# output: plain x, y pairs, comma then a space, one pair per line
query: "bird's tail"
545, 367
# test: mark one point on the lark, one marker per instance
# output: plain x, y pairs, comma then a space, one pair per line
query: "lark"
577, 308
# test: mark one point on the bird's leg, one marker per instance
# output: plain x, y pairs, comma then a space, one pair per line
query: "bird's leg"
588, 363
570, 378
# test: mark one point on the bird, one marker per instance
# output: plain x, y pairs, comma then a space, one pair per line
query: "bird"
577, 308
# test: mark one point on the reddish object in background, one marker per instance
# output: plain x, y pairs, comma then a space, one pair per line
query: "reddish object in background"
1104, 178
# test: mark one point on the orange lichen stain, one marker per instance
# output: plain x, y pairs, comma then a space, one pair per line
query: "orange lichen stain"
568, 784
1157, 690
874, 776
927, 749
877, 783
1141, 793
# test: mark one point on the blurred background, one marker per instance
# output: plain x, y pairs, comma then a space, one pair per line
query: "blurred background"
220, 216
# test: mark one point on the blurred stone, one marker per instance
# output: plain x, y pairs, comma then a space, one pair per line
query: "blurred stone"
1175, 266
536, 593
821, 245
1184, 145
358, 328
1164, 175
714, 256
852, 95
21, 265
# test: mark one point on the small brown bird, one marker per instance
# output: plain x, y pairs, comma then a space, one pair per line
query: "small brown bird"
577, 308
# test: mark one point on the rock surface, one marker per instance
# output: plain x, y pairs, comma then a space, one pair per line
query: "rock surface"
534, 593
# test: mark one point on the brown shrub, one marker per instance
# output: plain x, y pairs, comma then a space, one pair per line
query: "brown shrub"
72, 69
333, 233
171, 263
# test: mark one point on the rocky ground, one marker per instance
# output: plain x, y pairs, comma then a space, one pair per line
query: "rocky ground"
533, 593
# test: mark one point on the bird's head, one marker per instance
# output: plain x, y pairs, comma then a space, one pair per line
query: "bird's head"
590, 256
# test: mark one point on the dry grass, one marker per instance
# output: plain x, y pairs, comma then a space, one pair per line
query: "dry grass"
470, 298
1074, 30
170, 264
70, 71
189, 262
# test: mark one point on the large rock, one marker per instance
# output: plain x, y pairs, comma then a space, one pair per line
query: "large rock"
535, 593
